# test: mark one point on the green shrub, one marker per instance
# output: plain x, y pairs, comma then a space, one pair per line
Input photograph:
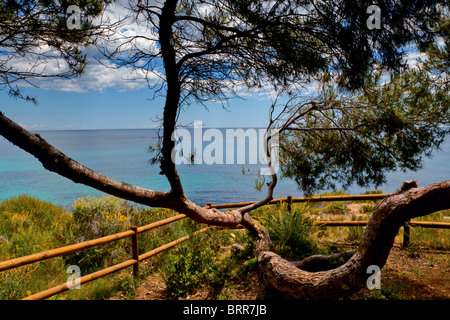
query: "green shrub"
191, 266
290, 231
205, 260
336, 207
94, 218
29, 225
13, 283
367, 208
97, 217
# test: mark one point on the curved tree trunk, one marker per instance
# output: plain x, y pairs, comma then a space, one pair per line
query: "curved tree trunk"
388, 216
54, 160
377, 241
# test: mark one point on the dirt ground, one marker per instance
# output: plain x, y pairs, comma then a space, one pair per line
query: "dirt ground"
153, 288
408, 274
413, 275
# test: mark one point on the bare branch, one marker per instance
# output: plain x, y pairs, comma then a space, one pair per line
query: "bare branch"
55, 161
207, 23
321, 262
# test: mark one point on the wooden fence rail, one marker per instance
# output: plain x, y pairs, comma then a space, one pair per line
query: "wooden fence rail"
135, 231
104, 272
290, 200
413, 223
17, 262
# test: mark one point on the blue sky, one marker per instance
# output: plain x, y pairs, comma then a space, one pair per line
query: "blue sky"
115, 108
111, 98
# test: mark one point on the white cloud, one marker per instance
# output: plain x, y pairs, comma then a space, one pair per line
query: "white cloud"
98, 77
33, 126
413, 59
99, 74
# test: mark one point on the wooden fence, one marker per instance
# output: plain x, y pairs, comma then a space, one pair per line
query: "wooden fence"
135, 231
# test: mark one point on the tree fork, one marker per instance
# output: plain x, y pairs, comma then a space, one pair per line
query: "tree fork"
54, 160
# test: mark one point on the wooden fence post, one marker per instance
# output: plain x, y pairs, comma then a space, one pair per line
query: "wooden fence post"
289, 203
406, 233
135, 251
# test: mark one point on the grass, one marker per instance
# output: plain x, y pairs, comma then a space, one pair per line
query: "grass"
431, 238
29, 225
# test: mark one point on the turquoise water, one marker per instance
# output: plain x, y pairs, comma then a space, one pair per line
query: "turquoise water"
123, 155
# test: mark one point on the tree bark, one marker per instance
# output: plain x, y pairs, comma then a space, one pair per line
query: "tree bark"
171, 107
284, 276
320, 262
54, 160
389, 215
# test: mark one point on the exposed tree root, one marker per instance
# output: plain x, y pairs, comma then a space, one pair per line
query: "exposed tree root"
320, 262
388, 216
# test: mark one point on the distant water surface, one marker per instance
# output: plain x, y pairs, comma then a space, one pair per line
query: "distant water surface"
123, 155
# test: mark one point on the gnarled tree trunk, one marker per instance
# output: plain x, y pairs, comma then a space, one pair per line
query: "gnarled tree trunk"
388, 216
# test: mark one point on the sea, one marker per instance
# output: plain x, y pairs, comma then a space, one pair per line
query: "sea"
124, 155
